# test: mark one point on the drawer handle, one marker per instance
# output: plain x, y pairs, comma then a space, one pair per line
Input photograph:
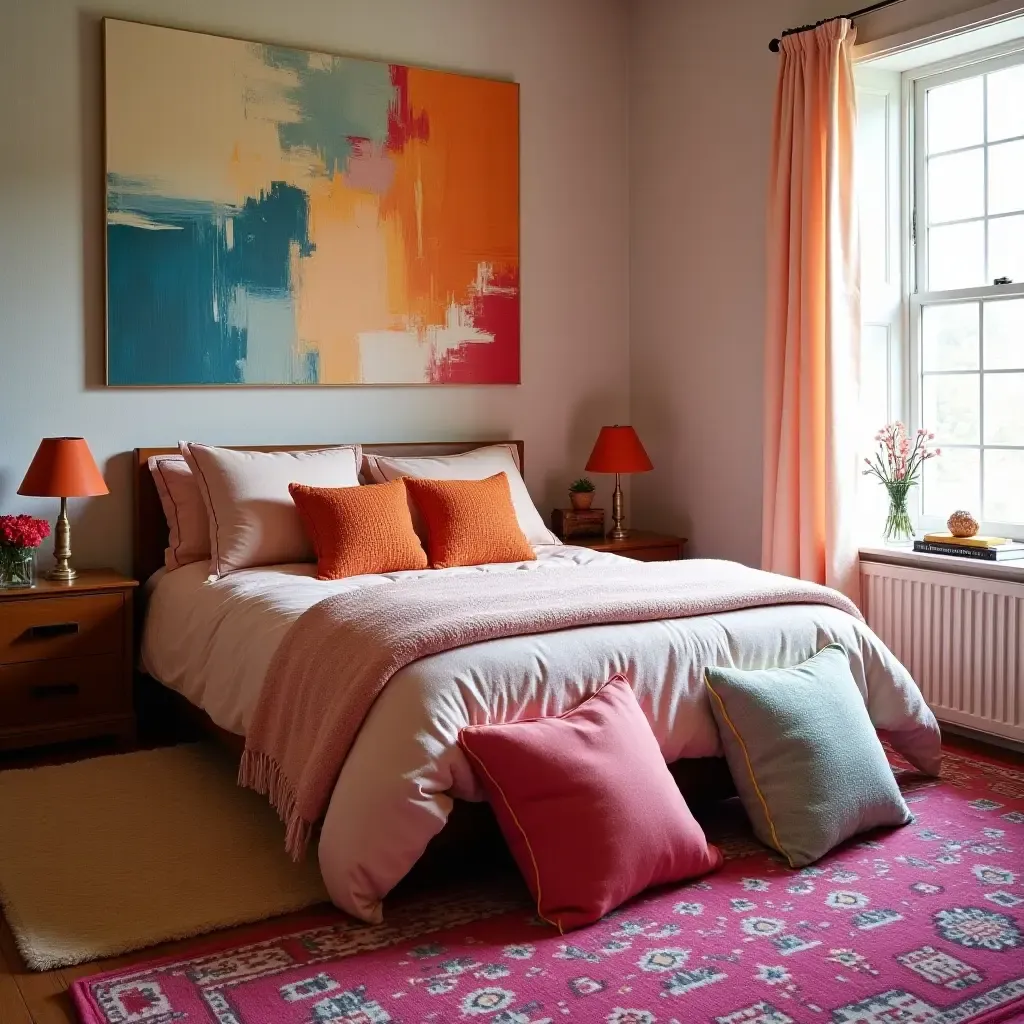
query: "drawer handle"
53, 629
49, 690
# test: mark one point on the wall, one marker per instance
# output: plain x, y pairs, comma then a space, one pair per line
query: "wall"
570, 58
701, 99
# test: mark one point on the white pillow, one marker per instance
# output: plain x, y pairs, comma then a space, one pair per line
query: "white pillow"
475, 465
253, 520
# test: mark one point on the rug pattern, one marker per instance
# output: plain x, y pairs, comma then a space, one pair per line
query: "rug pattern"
921, 925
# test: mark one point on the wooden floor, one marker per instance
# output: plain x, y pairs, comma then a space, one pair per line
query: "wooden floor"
42, 997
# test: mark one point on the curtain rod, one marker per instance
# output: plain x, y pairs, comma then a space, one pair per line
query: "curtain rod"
776, 44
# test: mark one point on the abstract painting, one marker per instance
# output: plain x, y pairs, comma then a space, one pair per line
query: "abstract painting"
280, 216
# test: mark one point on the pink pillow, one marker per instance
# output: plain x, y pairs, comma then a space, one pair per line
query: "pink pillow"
587, 806
188, 525
253, 520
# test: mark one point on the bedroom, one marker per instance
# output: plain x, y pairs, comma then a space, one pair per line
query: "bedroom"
657, 116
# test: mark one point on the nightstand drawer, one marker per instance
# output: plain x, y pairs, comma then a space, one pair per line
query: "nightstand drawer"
664, 554
61, 627
45, 692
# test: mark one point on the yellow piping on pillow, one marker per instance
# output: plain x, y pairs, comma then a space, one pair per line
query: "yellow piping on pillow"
536, 870
750, 771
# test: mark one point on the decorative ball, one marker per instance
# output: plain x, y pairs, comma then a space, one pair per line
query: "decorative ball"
962, 524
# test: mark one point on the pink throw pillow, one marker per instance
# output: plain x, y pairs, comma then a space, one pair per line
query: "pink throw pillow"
188, 526
253, 520
587, 805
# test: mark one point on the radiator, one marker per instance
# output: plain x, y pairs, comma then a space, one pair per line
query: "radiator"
961, 638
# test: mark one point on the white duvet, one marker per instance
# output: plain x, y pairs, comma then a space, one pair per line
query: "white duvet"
212, 642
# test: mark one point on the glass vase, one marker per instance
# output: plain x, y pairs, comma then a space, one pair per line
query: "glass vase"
17, 567
899, 530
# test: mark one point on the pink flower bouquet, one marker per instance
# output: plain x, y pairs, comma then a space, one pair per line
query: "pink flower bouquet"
897, 465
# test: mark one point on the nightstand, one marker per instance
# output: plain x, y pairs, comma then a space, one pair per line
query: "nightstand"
639, 545
66, 660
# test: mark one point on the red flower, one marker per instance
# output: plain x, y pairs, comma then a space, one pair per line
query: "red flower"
23, 531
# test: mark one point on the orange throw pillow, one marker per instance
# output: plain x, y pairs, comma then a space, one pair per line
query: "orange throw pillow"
470, 522
358, 530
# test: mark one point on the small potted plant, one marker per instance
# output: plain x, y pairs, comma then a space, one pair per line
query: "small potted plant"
19, 538
581, 493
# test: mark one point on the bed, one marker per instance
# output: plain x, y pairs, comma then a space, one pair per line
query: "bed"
211, 642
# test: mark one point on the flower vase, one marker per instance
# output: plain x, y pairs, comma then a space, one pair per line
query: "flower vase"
899, 530
17, 567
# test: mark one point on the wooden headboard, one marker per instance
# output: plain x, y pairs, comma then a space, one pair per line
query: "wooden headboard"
149, 527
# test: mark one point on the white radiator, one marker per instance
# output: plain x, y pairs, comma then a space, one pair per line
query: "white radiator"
961, 638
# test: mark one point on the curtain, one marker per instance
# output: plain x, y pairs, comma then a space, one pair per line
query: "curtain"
813, 315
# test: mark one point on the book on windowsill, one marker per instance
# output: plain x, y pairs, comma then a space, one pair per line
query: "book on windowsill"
970, 542
1007, 552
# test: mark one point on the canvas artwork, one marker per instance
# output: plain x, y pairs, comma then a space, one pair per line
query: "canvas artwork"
279, 216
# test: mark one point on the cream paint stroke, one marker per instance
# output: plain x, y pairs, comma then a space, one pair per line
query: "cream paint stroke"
138, 220
405, 356
208, 134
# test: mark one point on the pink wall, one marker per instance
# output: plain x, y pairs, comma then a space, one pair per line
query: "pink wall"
701, 97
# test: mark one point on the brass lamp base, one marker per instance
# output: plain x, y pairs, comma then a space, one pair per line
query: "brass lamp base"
62, 571
618, 530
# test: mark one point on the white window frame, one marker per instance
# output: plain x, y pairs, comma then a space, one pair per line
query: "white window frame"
916, 82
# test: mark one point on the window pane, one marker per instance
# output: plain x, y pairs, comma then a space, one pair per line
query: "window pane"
956, 256
1004, 335
955, 115
1005, 248
950, 336
956, 185
1005, 177
1004, 486
952, 481
951, 408
1006, 103
1004, 408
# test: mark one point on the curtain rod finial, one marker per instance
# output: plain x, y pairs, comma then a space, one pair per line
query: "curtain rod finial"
774, 45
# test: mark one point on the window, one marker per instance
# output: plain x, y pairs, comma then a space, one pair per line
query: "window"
941, 180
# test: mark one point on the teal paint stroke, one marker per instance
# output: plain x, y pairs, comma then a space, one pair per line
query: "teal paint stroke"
188, 306
336, 100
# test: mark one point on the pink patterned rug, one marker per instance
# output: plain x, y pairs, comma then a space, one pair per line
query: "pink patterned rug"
922, 924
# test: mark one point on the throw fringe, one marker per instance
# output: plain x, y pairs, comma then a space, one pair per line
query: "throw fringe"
263, 774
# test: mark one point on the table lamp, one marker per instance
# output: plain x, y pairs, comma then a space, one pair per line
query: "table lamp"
618, 450
63, 468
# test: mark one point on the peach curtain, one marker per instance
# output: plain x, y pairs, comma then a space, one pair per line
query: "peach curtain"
813, 315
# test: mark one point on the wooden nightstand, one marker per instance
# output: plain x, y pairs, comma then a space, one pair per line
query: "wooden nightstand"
66, 660
640, 545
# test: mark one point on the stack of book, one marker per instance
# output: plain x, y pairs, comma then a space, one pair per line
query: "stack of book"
989, 549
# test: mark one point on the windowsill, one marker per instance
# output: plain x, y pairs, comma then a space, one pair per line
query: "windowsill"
1010, 572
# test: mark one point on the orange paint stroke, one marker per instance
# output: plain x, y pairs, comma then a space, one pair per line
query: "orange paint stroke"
455, 196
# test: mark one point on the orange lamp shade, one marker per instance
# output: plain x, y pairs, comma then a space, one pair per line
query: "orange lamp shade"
618, 450
63, 467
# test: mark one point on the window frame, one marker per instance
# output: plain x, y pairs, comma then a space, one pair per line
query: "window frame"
915, 84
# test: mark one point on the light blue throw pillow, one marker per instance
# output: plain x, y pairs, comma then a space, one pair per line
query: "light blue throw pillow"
806, 760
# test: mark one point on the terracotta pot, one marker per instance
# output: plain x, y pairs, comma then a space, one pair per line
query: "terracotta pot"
581, 499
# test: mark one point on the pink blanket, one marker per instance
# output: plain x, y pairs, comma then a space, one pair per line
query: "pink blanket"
340, 654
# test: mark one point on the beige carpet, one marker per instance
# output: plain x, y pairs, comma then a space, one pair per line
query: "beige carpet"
115, 853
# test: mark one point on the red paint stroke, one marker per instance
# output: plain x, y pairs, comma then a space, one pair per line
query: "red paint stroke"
487, 362
404, 124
